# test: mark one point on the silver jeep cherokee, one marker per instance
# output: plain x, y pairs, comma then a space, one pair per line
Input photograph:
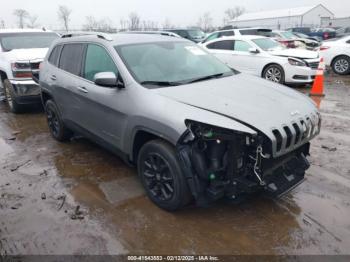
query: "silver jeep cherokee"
195, 128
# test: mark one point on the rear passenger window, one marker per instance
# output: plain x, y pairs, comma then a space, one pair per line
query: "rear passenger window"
53, 58
222, 45
97, 61
71, 58
227, 33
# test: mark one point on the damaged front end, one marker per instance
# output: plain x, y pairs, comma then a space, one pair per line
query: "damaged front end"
220, 163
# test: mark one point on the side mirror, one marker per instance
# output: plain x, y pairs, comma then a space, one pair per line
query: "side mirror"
254, 50
108, 79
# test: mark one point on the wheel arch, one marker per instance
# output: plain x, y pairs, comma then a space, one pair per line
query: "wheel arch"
142, 136
270, 64
45, 96
3, 75
334, 58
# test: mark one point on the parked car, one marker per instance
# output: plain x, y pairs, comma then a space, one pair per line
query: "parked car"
324, 33
195, 35
265, 57
303, 30
343, 31
21, 51
336, 53
318, 34
188, 122
291, 40
238, 32
301, 35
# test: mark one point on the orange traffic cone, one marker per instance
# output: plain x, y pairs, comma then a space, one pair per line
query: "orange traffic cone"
317, 100
317, 87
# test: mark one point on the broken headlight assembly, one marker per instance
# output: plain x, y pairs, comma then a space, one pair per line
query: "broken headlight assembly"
221, 162
218, 160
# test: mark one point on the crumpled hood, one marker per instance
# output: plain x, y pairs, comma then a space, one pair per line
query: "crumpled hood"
256, 102
294, 52
27, 54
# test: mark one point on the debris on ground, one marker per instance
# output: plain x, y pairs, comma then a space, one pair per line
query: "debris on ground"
43, 196
330, 149
63, 200
44, 173
77, 214
18, 166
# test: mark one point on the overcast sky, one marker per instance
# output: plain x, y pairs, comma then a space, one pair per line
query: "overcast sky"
179, 12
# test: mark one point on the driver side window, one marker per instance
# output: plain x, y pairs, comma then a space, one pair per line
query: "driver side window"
97, 60
242, 46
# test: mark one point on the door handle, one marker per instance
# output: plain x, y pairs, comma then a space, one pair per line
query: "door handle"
83, 89
53, 77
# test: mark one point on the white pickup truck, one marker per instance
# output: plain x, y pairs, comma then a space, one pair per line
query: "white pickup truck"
21, 51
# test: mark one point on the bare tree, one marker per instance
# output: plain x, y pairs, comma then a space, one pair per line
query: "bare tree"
102, 25
90, 24
32, 23
123, 24
149, 25
232, 13
167, 24
134, 21
205, 22
22, 15
2, 24
64, 15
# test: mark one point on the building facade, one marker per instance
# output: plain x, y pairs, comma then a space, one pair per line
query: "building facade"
311, 16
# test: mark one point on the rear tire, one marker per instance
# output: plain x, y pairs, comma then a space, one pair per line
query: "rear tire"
56, 125
274, 73
341, 65
160, 173
11, 98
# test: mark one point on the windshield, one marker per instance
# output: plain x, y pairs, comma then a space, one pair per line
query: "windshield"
12, 41
288, 35
268, 44
170, 63
196, 33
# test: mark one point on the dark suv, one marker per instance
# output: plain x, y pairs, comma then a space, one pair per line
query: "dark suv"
195, 35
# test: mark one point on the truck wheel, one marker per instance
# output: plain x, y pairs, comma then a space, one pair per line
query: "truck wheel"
57, 128
161, 176
11, 98
341, 65
274, 73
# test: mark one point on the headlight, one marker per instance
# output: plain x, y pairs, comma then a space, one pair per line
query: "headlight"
296, 62
21, 70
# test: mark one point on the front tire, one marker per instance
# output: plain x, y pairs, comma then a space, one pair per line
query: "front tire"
341, 65
161, 176
56, 125
274, 73
11, 98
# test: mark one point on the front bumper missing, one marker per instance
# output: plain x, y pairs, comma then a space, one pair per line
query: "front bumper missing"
279, 175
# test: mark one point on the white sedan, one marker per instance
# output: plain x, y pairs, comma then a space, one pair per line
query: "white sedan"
336, 53
265, 57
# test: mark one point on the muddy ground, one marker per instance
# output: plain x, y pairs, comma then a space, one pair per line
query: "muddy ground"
77, 198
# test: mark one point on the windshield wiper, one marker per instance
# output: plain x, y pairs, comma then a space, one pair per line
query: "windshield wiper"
161, 83
206, 78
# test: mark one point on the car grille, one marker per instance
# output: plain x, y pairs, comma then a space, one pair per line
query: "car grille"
314, 65
290, 137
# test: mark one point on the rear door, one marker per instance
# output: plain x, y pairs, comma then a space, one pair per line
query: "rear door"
66, 81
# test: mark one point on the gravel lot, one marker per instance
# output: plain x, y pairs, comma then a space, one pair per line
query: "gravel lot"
77, 198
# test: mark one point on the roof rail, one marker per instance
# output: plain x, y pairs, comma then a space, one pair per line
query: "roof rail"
104, 36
